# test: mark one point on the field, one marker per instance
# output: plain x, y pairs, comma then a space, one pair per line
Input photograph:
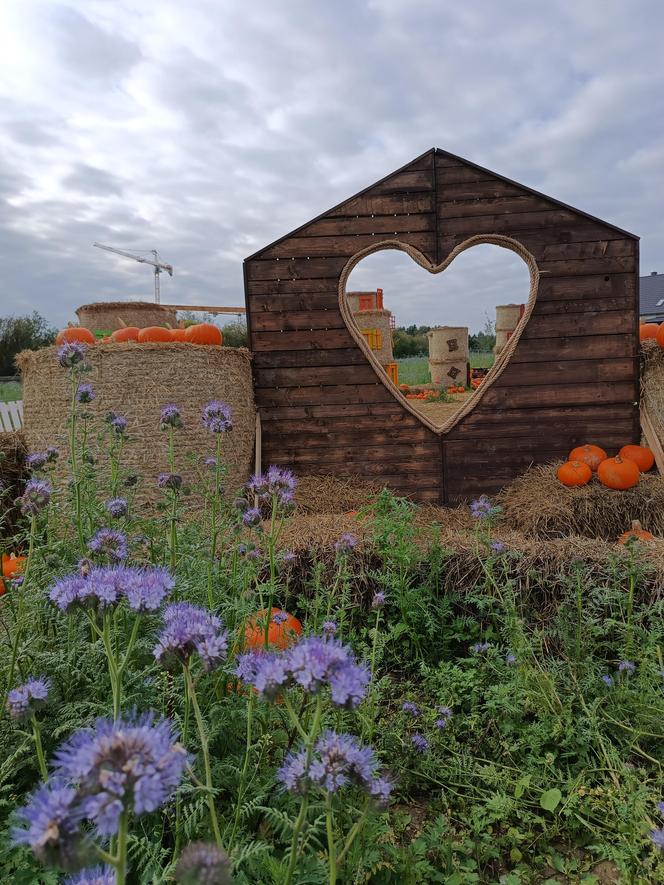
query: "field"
322, 682
415, 369
10, 391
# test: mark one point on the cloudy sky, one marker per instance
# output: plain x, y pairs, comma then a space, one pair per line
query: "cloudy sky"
206, 129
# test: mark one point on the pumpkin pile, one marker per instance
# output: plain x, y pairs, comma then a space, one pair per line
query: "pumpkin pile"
620, 472
652, 332
458, 388
198, 333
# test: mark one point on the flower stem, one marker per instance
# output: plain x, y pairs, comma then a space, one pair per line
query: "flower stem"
331, 847
116, 687
243, 773
121, 857
299, 823
31, 547
36, 733
205, 750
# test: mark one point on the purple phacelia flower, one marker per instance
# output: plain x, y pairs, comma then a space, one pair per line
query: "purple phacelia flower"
480, 648
378, 600
36, 496
263, 670
110, 543
145, 589
338, 760
210, 462
202, 863
510, 659
280, 617
71, 354
252, 517
420, 743
172, 481
288, 556
607, 680
117, 507
626, 666
99, 587
132, 764
657, 837
26, 699
276, 485
329, 628
498, 547
346, 543
99, 875
50, 823
190, 630
411, 709
117, 423
254, 553
217, 417
85, 394
482, 508
170, 417
445, 714
39, 460
660, 808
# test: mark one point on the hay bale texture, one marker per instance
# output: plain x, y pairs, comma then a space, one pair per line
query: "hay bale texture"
12, 475
107, 315
652, 385
537, 505
136, 380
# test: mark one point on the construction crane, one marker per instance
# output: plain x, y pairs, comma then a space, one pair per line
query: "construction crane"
158, 265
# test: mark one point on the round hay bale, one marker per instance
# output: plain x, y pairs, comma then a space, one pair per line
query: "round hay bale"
449, 372
652, 385
372, 321
106, 315
537, 505
136, 380
448, 343
12, 475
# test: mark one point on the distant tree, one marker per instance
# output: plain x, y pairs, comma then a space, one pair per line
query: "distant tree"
484, 341
22, 333
235, 334
410, 342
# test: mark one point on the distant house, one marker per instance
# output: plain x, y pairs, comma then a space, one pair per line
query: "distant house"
652, 297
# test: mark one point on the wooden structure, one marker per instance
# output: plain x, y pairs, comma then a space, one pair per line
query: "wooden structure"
569, 374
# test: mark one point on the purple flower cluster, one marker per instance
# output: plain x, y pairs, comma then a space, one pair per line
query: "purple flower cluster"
288, 556
39, 460
85, 394
71, 354
657, 834
202, 863
626, 666
338, 760
189, 629
378, 600
170, 417
26, 699
607, 680
129, 764
482, 508
117, 507
510, 659
110, 543
276, 484
346, 543
329, 628
145, 589
420, 743
172, 481
480, 648
498, 547
410, 708
35, 497
100, 875
217, 417
50, 823
445, 714
312, 663
117, 423
252, 517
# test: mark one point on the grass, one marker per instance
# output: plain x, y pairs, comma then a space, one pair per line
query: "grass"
10, 391
415, 369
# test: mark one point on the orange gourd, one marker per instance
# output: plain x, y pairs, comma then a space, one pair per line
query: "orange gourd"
660, 335
203, 333
128, 333
10, 566
589, 454
636, 533
640, 455
279, 635
178, 334
574, 473
75, 334
154, 333
648, 331
618, 473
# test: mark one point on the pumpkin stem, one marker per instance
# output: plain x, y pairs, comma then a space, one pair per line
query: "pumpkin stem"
123, 325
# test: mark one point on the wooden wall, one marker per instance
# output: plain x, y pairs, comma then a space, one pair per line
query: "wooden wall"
573, 377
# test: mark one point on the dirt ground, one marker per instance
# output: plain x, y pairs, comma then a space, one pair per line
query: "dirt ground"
438, 413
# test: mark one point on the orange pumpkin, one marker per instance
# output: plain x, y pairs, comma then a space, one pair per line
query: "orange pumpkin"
280, 634
128, 333
618, 473
12, 564
154, 333
178, 334
589, 454
75, 334
640, 455
636, 533
660, 335
574, 473
203, 333
648, 331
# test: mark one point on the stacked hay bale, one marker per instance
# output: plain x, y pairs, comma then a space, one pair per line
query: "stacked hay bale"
507, 319
12, 475
108, 316
375, 323
448, 355
652, 398
135, 381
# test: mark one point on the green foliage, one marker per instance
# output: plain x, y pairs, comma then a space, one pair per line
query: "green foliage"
22, 333
235, 334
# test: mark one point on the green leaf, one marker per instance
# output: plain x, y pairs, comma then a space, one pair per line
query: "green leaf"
521, 786
550, 800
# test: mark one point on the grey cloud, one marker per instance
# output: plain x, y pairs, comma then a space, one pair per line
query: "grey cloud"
88, 49
89, 180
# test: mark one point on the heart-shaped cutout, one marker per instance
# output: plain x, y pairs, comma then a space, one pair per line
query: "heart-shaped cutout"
502, 359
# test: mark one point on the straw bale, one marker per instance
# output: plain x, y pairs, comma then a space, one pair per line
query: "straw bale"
333, 494
652, 385
540, 507
12, 474
106, 315
136, 380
